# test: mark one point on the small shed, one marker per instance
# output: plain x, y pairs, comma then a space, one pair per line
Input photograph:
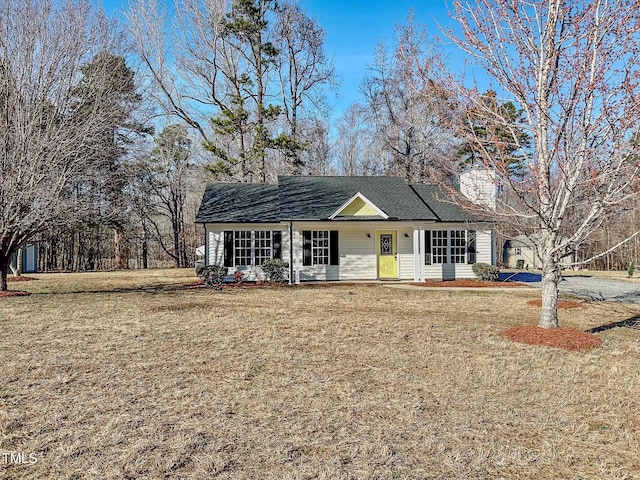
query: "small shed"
29, 258
522, 253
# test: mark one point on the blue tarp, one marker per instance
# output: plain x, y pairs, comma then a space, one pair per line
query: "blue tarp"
519, 277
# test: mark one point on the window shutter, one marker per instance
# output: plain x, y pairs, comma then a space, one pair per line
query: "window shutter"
427, 247
228, 249
277, 244
306, 247
471, 247
334, 252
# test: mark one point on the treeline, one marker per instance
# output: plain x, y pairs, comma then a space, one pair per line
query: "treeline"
113, 127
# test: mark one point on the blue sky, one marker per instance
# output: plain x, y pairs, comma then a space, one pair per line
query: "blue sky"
353, 29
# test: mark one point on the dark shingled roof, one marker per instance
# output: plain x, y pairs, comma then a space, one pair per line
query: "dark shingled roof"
239, 202
317, 198
433, 196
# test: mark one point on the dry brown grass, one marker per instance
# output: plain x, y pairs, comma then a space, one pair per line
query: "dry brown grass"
329, 383
562, 304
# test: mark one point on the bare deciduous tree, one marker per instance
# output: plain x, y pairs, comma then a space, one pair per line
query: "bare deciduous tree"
165, 175
303, 69
405, 103
355, 149
46, 131
573, 69
215, 65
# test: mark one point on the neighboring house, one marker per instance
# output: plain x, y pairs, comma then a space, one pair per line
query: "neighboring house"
522, 253
342, 228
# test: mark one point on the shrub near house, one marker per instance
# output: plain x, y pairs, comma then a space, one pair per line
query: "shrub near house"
486, 272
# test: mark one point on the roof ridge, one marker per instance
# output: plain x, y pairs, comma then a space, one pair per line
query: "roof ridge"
411, 186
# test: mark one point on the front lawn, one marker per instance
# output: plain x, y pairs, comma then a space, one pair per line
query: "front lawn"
104, 377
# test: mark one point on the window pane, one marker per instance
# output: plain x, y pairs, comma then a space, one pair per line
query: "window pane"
320, 247
458, 246
263, 244
386, 244
242, 248
252, 248
439, 246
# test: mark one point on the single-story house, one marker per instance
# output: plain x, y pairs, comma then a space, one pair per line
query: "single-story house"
522, 253
342, 228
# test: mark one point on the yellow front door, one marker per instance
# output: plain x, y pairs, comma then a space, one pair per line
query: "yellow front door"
387, 254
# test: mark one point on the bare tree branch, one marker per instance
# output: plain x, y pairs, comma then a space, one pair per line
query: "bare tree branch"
573, 69
47, 131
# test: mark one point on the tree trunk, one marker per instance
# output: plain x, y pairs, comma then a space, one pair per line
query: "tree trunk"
120, 248
183, 247
18, 271
78, 251
5, 260
145, 252
550, 280
176, 243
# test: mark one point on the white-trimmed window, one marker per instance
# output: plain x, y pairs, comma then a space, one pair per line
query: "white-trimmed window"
439, 242
245, 248
320, 247
449, 246
262, 247
458, 242
242, 248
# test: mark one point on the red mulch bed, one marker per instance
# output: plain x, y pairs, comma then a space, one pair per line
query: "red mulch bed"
428, 283
13, 293
562, 337
16, 293
230, 286
251, 284
467, 284
20, 279
562, 304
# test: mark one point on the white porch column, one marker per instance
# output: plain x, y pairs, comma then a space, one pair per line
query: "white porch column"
418, 254
296, 252
423, 274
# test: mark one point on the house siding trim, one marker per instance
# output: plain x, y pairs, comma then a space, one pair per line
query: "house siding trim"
357, 252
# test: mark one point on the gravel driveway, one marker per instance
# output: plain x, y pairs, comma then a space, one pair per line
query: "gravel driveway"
594, 288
